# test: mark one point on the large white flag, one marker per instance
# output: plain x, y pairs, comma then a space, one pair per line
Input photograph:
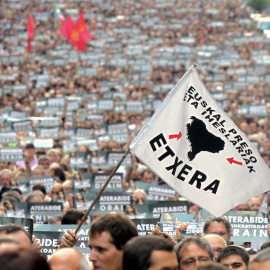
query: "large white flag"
197, 149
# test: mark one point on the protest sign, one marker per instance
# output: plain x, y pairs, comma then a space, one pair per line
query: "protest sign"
146, 225
27, 209
170, 222
11, 154
202, 155
47, 181
115, 183
155, 209
156, 192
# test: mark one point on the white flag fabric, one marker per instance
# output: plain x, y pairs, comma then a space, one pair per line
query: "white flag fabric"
198, 150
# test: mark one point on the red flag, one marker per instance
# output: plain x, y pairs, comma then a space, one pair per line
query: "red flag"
67, 27
30, 30
82, 28
80, 34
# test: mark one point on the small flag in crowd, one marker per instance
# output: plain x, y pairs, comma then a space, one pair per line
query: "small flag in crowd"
93, 25
30, 31
59, 16
197, 149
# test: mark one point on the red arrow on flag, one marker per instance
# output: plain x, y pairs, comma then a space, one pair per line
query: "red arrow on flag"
231, 161
175, 136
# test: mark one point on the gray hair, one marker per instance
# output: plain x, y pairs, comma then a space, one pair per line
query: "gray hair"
34, 194
6, 171
43, 171
220, 219
196, 240
53, 151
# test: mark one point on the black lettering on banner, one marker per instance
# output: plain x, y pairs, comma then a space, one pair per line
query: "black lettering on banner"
174, 166
157, 140
185, 170
198, 177
169, 152
213, 186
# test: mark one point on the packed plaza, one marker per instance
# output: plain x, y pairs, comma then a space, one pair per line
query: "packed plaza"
70, 111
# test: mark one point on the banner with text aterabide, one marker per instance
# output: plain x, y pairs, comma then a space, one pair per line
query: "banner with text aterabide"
198, 150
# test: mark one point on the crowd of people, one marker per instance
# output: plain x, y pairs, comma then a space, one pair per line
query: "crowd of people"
69, 110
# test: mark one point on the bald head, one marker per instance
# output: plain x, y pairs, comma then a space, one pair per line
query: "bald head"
68, 259
216, 242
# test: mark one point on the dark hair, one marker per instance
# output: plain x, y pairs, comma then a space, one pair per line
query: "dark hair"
234, 250
137, 252
59, 173
120, 227
196, 240
220, 219
40, 187
58, 145
265, 245
72, 216
30, 146
24, 259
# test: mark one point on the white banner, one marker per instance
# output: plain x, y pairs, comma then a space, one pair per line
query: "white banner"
197, 149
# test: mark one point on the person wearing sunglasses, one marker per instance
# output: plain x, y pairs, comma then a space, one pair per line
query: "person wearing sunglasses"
234, 257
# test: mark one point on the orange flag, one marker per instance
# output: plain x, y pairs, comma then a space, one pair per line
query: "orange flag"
31, 31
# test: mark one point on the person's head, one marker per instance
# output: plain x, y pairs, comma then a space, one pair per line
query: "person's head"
35, 196
23, 259
216, 242
234, 257
56, 189
68, 259
147, 176
255, 204
243, 207
53, 155
218, 225
72, 216
39, 187
16, 232
139, 194
192, 251
5, 178
30, 149
67, 186
38, 171
44, 161
149, 252
56, 219
108, 235
261, 261
57, 172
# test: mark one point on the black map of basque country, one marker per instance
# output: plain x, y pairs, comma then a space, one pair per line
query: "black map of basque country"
201, 139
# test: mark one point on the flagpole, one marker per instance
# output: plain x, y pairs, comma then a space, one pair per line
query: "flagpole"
101, 190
